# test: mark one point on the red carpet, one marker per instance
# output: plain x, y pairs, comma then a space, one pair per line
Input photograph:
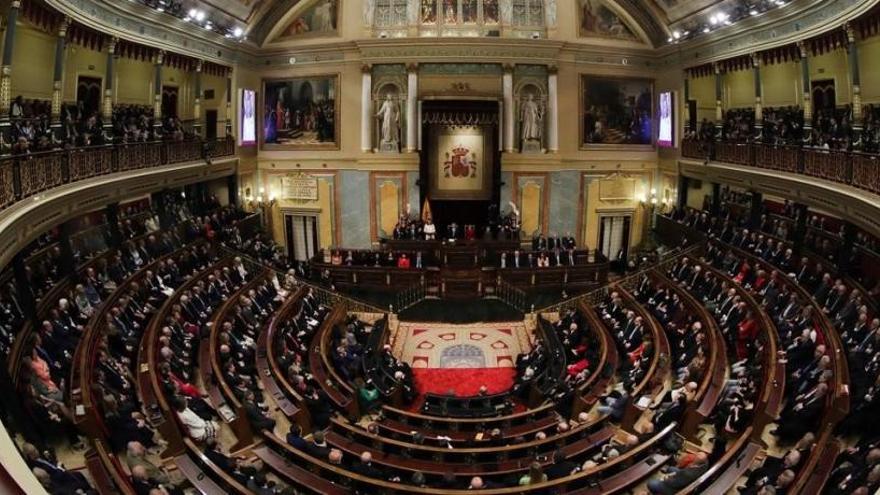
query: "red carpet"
463, 382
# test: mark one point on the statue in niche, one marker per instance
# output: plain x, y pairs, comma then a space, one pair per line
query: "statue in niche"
369, 6
550, 13
531, 116
389, 123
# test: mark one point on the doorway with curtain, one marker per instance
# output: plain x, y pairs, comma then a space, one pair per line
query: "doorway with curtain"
301, 235
614, 233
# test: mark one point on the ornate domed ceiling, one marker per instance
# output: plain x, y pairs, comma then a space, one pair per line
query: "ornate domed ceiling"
656, 22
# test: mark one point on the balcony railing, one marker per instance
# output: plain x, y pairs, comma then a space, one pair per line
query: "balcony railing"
859, 170
22, 176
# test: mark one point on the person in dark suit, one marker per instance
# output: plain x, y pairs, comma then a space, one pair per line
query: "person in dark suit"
561, 466
295, 439
318, 447
257, 416
803, 415
539, 243
677, 478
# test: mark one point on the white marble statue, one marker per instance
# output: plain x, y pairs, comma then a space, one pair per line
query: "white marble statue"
550, 13
389, 117
369, 6
532, 117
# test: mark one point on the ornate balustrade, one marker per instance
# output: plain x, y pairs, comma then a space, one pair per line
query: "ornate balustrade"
7, 184
782, 158
86, 163
851, 168
135, 156
740, 153
23, 176
692, 148
865, 172
827, 164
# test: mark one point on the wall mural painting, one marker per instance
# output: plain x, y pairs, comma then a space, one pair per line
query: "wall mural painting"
616, 110
599, 20
301, 113
318, 20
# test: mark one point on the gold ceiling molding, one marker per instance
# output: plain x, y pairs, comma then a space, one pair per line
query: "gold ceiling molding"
136, 22
773, 29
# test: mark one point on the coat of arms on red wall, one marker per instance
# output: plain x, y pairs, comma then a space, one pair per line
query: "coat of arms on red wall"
461, 163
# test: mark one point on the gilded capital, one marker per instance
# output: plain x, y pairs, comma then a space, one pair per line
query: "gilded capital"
63, 27
803, 49
850, 33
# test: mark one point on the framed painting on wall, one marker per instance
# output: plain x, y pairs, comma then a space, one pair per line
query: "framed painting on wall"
301, 113
616, 111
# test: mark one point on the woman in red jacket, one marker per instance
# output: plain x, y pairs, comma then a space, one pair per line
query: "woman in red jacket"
746, 333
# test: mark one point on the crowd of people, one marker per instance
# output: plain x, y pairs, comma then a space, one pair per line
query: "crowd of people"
294, 338
32, 128
809, 365
504, 226
830, 129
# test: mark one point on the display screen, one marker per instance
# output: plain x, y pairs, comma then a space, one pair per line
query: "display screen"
248, 117
665, 135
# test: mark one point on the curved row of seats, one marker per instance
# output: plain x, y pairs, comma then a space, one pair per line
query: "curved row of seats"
820, 461
408, 463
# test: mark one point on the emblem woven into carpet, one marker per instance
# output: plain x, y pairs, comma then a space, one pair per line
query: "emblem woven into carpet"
459, 359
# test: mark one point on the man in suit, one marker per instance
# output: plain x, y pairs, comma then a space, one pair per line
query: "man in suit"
677, 478
295, 439
553, 242
453, 231
318, 447
803, 415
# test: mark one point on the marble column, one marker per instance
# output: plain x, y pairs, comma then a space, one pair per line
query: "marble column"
60, 45
553, 109
852, 52
805, 77
759, 111
719, 94
6, 67
228, 128
507, 87
197, 101
412, 96
107, 104
157, 93
367, 108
